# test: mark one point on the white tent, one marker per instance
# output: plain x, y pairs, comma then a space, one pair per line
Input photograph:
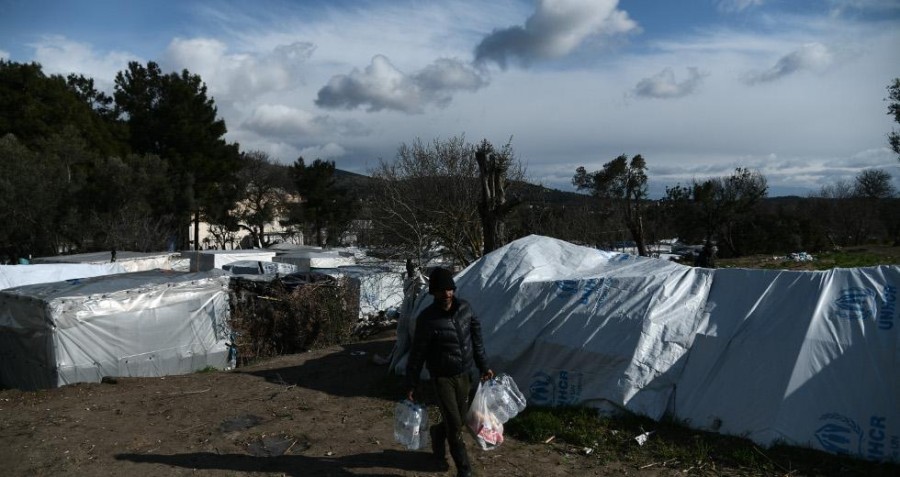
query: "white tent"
152, 323
305, 260
19, 275
380, 286
805, 358
129, 261
258, 267
204, 260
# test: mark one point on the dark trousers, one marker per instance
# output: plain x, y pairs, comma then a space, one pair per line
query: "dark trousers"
453, 399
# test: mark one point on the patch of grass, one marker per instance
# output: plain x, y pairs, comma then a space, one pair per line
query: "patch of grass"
208, 369
672, 445
848, 257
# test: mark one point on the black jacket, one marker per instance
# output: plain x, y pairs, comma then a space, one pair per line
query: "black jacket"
448, 342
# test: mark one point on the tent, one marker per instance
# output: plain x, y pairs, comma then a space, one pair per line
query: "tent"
153, 323
19, 275
258, 267
130, 261
204, 260
306, 260
380, 286
804, 358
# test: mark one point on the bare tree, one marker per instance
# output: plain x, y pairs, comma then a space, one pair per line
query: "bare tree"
494, 173
427, 198
837, 210
874, 184
265, 195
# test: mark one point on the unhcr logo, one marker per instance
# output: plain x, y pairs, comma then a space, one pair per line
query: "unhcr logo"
568, 288
555, 389
542, 389
840, 435
856, 303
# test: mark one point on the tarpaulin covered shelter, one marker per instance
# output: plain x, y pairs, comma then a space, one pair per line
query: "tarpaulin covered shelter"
19, 275
306, 260
203, 260
259, 267
152, 323
130, 261
380, 286
803, 358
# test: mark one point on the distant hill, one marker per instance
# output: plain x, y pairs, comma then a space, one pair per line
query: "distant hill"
361, 185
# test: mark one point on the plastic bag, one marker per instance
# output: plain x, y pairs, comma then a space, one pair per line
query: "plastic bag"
504, 398
411, 425
483, 421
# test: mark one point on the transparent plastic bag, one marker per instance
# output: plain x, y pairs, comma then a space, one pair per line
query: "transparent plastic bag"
504, 398
483, 421
411, 425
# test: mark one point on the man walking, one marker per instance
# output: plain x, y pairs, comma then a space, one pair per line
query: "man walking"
448, 341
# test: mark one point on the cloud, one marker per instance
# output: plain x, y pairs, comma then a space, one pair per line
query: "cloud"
554, 30
811, 56
4, 55
382, 86
280, 120
732, 6
663, 84
239, 76
328, 151
841, 7
58, 54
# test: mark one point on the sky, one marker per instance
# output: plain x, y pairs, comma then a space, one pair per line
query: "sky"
795, 89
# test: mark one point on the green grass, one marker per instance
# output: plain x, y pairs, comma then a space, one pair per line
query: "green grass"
673, 446
208, 369
849, 257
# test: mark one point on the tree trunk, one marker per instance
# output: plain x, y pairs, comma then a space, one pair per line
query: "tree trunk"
493, 206
197, 230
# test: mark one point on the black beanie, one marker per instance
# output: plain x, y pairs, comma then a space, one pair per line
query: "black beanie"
440, 280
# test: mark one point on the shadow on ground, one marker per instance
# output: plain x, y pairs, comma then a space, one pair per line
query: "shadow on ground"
295, 465
328, 373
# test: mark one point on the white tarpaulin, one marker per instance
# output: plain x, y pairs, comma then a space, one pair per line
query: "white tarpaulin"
380, 286
203, 260
130, 261
19, 275
257, 267
305, 260
805, 358
152, 323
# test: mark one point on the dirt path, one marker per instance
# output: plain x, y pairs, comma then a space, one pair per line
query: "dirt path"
326, 412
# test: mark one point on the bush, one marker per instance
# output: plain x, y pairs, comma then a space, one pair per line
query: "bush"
272, 318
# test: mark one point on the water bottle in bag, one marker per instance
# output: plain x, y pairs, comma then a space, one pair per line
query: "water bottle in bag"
411, 425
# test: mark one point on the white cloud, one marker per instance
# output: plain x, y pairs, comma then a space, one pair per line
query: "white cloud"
841, 7
809, 57
240, 76
281, 120
554, 30
731, 6
4, 55
58, 54
383, 86
663, 84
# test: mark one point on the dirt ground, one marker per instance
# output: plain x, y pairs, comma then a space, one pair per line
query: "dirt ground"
322, 413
